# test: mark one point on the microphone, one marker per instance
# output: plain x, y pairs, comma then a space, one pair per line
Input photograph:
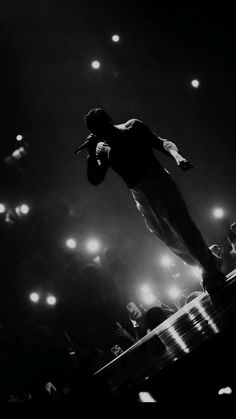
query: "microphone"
83, 146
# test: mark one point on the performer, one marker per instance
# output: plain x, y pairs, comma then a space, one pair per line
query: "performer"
127, 149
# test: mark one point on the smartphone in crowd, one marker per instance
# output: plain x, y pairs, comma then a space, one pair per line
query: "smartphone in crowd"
134, 310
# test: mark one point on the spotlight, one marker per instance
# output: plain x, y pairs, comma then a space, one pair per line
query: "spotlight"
147, 295
166, 261
196, 271
174, 292
19, 137
97, 260
149, 299
146, 397
145, 289
195, 83
96, 64
218, 212
115, 38
225, 390
24, 209
51, 300
2, 208
16, 155
71, 243
18, 211
93, 245
34, 296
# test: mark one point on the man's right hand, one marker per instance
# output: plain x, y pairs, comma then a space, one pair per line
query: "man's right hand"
92, 144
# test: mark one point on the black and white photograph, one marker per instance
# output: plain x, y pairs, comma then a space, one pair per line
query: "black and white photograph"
117, 204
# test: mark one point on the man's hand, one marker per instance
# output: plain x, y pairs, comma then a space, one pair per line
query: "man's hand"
91, 147
186, 165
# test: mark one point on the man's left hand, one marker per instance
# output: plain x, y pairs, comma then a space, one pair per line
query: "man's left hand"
186, 165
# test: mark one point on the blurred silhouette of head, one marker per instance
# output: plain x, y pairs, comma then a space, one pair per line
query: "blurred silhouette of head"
98, 122
154, 317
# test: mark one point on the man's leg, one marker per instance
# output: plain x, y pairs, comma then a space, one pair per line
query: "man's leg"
160, 227
175, 212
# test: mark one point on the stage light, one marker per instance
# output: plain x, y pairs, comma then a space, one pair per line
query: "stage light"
146, 397
24, 209
149, 299
18, 211
174, 292
196, 271
218, 212
2, 208
96, 64
225, 390
16, 155
71, 243
195, 83
97, 260
145, 288
51, 300
93, 245
115, 38
34, 296
166, 261
19, 137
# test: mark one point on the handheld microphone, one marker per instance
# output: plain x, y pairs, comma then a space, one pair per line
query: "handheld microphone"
83, 146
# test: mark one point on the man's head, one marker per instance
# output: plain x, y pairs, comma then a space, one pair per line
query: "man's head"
216, 250
154, 317
98, 122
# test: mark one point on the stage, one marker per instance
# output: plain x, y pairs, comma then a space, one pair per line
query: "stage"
190, 356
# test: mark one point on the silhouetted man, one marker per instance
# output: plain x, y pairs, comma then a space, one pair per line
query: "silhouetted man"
127, 149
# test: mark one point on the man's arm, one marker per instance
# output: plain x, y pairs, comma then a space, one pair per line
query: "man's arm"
171, 149
96, 168
165, 146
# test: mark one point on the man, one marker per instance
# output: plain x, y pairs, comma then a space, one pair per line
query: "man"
127, 149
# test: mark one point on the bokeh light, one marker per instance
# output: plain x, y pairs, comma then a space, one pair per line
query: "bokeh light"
2, 208
218, 212
96, 64
225, 390
34, 297
115, 38
24, 209
166, 261
195, 83
93, 245
174, 292
196, 271
147, 295
19, 137
51, 300
71, 243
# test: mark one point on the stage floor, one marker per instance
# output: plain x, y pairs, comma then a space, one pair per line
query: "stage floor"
191, 354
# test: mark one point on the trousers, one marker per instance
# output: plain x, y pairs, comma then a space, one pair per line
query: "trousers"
165, 212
